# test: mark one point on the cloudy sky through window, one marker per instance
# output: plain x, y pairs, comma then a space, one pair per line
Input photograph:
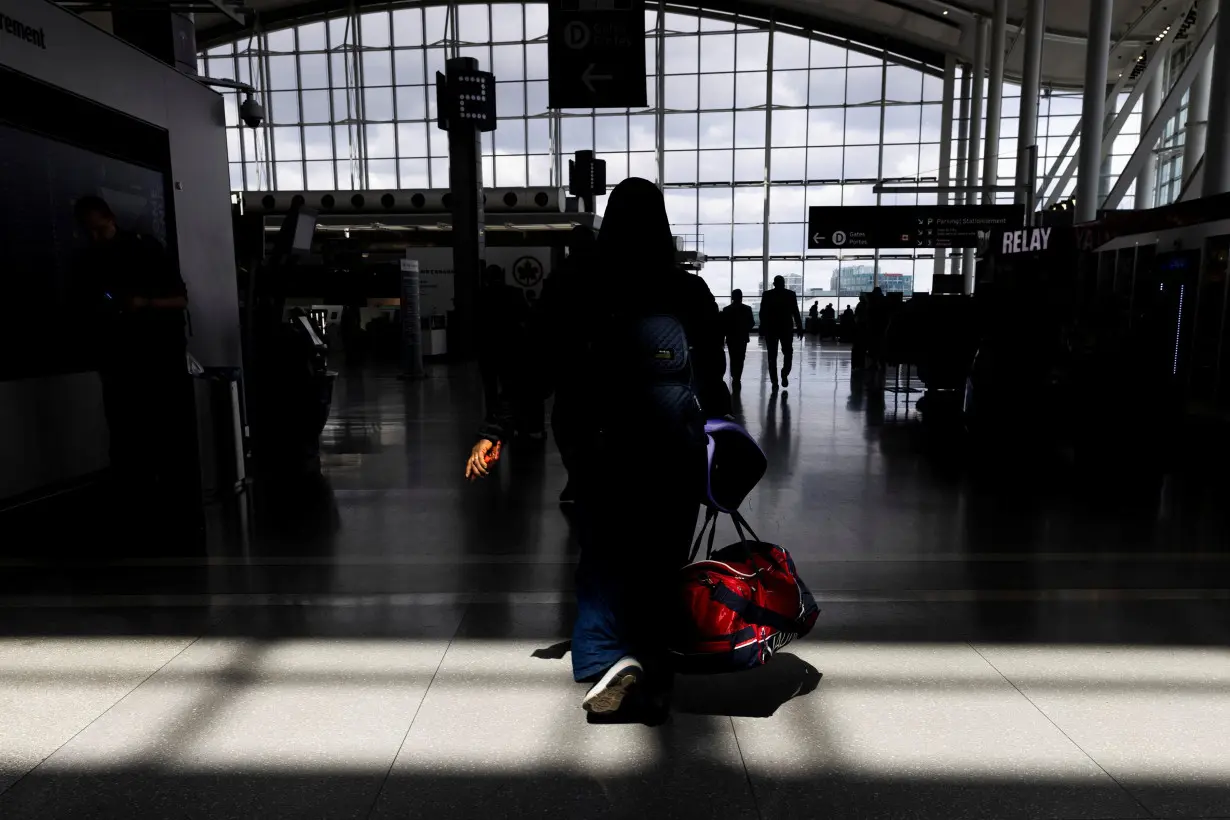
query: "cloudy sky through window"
350, 104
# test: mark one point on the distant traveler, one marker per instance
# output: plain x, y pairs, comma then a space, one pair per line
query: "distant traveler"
503, 311
640, 471
134, 301
737, 325
847, 324
779, 318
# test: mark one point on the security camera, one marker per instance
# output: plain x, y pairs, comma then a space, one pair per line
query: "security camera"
251, 112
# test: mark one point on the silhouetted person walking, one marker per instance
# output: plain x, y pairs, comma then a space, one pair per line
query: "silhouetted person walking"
737, 325
502, 333
640, 472
779, 319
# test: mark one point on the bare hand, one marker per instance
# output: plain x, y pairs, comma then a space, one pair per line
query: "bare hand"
477, 465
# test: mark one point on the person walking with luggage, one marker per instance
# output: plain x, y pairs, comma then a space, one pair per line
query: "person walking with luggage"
779, 321
737, 325
646, 372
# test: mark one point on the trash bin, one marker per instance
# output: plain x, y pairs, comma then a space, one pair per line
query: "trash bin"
220, 430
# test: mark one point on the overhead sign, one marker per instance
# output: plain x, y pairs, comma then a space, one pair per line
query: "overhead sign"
907, 226
596, 54
1030, 240
15, 28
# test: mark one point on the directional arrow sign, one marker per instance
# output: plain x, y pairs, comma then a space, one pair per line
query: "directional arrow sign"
589, 76
897, 226
596, 54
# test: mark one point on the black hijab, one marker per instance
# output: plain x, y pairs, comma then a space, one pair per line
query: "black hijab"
636, 233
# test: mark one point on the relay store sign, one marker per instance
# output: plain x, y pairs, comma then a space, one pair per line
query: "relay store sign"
15, 28
1030, 240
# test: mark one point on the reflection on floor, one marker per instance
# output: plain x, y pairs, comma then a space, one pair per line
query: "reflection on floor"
382, 640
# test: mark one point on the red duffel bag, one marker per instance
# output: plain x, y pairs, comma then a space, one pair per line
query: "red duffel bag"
739, 605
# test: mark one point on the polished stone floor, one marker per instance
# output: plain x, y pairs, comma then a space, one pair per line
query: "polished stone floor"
379, 639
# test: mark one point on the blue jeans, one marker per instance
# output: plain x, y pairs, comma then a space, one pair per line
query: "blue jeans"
626, 579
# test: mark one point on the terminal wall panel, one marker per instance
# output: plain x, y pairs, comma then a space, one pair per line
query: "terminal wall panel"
40, 445
51, 430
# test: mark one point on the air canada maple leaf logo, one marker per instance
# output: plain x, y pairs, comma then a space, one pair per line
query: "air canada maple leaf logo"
527, 271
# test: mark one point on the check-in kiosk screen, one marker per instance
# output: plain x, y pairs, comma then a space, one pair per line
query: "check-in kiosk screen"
40, 180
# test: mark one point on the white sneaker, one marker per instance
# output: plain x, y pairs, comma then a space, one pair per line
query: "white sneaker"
608, 694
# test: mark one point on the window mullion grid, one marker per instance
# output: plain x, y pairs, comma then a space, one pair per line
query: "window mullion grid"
332, 116
525, 93
431, 181
768, 160
299, 93
875, 274
730, 194
806, 158
262, 62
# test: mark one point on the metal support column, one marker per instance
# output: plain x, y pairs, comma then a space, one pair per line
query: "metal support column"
659, 116
979, 72
1093, 110
768, 170
1198, 96
1217, 144
465, 178
875, 263
1146, 180
962, 147
162, 34
1168, 108
1154, 60
1104, 171
950, 81
995, 95
1031, 80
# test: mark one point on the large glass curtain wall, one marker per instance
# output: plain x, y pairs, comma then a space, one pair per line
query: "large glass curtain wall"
351, 104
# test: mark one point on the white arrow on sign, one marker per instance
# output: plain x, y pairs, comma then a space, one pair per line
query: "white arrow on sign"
817, 238
588, 76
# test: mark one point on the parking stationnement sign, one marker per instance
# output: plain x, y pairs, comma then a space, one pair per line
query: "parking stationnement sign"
907, 226
596, 54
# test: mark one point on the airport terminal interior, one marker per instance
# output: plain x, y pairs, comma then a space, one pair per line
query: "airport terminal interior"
352, 395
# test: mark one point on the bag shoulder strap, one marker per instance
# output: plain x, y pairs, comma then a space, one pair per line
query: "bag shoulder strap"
710, 524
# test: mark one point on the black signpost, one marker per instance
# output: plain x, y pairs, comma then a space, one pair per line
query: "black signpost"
466, 106
596, 53
587, 178
907, 226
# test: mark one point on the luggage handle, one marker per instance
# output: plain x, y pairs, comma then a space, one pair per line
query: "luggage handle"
743, 528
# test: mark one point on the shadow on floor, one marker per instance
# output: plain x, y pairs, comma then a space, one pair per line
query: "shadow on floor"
757, 693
